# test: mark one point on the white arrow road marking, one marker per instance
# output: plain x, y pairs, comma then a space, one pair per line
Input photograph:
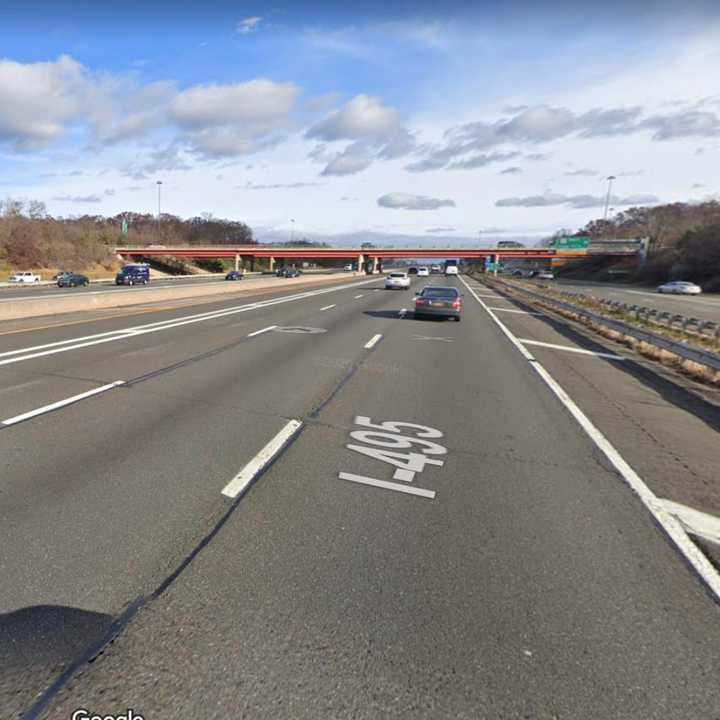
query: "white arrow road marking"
524, 341
519, 312
693, 521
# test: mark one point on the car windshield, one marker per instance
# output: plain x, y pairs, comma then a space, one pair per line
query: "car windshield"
440, 292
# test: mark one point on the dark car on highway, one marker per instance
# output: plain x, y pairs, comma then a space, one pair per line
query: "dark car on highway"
71, 279
288, 273
234, 275
438, 301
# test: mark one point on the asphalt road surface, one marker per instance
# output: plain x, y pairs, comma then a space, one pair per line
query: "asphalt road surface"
434, 535
8, 294
703, 307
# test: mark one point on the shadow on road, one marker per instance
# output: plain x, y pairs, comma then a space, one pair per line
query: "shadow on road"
387, 314
37, 644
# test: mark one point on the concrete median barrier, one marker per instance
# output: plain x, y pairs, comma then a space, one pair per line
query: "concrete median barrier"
55, 305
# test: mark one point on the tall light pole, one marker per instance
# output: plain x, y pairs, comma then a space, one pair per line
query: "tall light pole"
292, 231
607, 198
159, 185
157, 220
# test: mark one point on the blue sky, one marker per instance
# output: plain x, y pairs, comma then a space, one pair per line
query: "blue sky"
421, 119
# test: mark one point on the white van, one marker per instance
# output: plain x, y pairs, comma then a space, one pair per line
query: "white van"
451, 270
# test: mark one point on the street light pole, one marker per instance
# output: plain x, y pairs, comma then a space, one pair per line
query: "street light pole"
157, 220
607, 198
292, 231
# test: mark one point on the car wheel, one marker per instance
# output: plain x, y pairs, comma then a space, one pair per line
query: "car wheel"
457, 319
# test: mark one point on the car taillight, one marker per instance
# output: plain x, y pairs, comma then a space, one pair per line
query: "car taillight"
419, 301
456, 304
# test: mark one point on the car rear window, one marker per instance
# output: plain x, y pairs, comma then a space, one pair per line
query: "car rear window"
401, 275
440, 292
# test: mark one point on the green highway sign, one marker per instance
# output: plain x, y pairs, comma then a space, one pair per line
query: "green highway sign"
572, 243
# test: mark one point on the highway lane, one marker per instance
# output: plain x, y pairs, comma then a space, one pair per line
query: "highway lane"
30, 292
130, 480
533, 582
703, 307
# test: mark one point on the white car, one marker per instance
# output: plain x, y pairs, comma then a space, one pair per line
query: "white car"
423, 272
348, 268
24, 277
397, 281
679, 287
545, 275
451, 270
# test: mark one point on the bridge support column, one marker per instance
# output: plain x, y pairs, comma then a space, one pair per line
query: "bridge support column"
271, 261
237, 261
361, 264
495, 260
374, 265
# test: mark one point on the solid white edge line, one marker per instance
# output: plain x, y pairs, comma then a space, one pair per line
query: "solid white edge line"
327, 307
695, 522
409, 489
582, 351
264, 330
248, 473
61, 403
372, 341
672, 527
357, 297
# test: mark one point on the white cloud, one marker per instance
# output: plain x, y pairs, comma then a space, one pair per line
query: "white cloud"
78, 198
363, 117
248, 25
354, 159
405, 201
575, 201
234, 119
684, 125
258, 101
38, 99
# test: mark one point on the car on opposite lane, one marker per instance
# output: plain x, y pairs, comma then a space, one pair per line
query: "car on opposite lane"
26, 276
397, 281
288, 273
545, 275
680, 287
423, 272
72, 279
234, 275
438, 301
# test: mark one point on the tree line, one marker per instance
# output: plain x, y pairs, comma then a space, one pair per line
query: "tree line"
31, 238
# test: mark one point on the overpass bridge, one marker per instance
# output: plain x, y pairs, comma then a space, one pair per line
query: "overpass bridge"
362, 256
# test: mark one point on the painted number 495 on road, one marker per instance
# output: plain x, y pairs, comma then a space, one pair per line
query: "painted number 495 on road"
406, 446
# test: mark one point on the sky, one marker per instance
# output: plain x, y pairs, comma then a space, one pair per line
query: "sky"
436, 121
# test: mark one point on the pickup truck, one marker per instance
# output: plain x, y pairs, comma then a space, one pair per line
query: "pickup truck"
25, 277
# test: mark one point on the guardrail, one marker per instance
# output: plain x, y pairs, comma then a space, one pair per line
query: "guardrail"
683, 350
704, 328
